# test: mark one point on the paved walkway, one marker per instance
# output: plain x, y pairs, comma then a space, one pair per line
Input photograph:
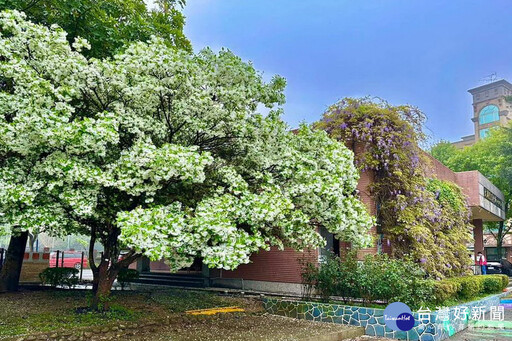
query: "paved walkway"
488, 330
483, 334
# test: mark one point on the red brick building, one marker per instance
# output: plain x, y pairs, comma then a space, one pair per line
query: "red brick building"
280, 271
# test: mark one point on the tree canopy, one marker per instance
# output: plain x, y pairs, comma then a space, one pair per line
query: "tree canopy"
443, 151
162, 152
107, 24
491, 156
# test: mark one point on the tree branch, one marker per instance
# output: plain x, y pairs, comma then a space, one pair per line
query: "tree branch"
128, 259
92, 241
30, 5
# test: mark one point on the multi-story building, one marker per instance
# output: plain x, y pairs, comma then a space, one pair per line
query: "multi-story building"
490, 109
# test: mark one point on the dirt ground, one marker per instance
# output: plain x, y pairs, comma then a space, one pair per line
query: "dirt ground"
137, 316
243, 327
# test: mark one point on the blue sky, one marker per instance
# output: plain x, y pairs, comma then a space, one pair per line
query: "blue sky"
425, 53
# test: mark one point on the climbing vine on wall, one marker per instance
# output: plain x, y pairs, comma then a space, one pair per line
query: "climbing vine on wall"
424, 219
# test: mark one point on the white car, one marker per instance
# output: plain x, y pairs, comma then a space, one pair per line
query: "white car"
494, 268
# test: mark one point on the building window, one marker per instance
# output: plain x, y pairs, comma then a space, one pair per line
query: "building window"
332, 245
492, 254
484, 133
488, 114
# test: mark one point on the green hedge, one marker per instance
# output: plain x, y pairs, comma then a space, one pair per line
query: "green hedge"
125, 276
468, 287
444, 290
493, 284
59, 276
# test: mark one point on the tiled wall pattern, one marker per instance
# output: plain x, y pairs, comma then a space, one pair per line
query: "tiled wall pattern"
434, 326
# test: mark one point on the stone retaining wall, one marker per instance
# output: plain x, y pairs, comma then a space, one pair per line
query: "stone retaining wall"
434, 326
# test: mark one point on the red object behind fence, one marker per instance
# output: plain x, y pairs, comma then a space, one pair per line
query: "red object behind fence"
71, 260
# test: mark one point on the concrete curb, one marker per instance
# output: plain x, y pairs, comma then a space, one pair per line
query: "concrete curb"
349, 333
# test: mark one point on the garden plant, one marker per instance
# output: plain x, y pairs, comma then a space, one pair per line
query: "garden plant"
378, 280
424, 219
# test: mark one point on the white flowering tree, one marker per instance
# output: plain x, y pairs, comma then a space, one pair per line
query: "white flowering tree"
161, 153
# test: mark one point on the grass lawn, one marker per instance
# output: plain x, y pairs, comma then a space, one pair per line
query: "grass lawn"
155, 315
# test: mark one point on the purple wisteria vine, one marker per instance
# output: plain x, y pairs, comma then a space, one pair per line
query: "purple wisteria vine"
426, 220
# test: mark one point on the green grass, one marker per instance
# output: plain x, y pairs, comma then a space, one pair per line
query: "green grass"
43, 322
53, 310
178, 301
36, 311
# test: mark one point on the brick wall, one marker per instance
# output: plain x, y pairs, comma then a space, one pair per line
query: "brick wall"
273, 266
363, 186
440, 171
468, 181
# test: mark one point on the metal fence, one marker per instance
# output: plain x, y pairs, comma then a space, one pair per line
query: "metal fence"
69, 259
59, 259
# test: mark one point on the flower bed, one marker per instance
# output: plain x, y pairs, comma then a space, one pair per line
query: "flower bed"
433, 327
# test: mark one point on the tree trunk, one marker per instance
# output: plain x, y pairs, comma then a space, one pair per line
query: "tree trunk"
106, 272
502, 232
103, 279
11, 270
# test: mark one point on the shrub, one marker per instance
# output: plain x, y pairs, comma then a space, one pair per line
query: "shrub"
501, 282
126, 275
470, 286
309, 274
491, 284
504, 281
397, 280
381, 278
59, 276
384, 279
376, 278
349, 286
445, 290
325, 278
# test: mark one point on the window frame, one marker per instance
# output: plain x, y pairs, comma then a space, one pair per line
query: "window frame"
484, 133
493, 114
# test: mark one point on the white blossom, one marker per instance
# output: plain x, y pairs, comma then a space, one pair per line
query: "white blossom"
164, 151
